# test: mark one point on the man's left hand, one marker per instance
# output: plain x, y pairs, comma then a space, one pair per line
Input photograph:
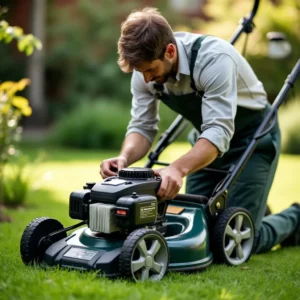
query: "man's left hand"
171, 182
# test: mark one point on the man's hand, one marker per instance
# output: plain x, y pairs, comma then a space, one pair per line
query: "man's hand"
110, 167
171, 182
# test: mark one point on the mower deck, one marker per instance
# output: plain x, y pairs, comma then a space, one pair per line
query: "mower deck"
186, 235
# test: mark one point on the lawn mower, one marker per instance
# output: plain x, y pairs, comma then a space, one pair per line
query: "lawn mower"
129, 232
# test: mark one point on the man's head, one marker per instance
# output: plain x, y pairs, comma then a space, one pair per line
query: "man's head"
147, 44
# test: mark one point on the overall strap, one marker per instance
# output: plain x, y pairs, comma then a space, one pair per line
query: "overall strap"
195, 49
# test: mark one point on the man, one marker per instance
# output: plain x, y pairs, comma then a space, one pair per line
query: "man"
208, 82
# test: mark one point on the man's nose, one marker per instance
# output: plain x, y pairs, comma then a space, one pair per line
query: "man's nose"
147, 77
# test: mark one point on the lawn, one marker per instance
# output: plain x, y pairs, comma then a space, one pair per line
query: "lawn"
275, 275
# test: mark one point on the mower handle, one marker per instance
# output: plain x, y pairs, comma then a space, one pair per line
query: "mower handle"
254, 9
220, 193
246, 24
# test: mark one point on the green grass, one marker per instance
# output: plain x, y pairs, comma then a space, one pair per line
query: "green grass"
275, 275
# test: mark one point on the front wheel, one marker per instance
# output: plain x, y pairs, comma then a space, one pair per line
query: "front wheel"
233, 236
33, 246
144, 255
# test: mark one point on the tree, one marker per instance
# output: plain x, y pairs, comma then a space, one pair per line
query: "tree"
36, 66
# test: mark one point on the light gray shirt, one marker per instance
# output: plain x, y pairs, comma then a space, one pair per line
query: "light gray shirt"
220, 71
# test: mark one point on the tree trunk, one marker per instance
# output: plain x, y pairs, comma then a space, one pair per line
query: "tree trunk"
35, 69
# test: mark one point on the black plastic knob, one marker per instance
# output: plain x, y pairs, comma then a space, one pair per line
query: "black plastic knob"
136, 173
89, 185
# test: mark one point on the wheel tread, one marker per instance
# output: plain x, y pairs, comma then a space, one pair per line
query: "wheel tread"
128, 247
218, 233
28, 249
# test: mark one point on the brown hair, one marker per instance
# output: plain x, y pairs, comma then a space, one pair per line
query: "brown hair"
144, 36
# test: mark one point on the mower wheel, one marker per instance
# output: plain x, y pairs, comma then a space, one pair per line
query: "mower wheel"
233, 236
32, 246
144, 255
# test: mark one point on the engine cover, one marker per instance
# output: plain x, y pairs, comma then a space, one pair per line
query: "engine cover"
129, 181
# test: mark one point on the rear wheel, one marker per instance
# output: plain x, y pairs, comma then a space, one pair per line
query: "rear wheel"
144, 255
33, 246
233, 236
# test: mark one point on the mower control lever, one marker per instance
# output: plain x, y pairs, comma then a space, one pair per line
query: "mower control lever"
45, 238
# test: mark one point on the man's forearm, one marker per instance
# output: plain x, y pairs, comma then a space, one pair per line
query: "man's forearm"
135, 147
201, 155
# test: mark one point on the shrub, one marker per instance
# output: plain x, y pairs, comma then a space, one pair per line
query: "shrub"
92, 124
16, 183
82, 51
12, 108
101, 124
290, 127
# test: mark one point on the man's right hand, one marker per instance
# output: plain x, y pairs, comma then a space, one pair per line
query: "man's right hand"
110, 167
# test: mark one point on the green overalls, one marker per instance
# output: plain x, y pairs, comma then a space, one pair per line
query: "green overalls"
252, 187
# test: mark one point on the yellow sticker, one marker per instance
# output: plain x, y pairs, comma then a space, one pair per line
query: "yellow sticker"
174, 210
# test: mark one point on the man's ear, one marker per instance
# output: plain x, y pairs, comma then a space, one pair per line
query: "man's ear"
170, 51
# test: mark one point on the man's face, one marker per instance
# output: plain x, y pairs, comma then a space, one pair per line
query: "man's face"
159, 70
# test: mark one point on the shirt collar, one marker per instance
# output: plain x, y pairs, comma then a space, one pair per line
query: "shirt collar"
183, 63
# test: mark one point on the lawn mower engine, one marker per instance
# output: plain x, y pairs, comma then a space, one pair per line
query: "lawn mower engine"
125, 226
124, 235
121, 203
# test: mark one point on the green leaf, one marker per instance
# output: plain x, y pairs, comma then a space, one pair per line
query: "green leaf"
9, 31
3, 24
29, 50
38, 44
8, 39
18, 31
29, 37
22, 43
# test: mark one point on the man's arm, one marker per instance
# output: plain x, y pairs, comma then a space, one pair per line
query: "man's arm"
200, 156
218, 80
135, 147
141, 130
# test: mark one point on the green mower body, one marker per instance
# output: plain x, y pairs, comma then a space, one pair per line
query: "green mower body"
129, 232
186, 235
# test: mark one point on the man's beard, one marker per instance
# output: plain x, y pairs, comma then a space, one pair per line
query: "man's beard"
164, 78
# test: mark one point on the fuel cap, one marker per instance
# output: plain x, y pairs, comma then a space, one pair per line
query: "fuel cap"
136, 173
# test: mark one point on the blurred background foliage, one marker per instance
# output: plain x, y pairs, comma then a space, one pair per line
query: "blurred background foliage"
98, 124
81, 56
14, 185
88, 97
282, 17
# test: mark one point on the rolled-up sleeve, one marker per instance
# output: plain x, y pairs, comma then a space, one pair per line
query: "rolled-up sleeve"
144, 109
218, 80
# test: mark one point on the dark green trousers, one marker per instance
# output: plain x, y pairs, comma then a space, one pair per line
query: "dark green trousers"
252, 187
